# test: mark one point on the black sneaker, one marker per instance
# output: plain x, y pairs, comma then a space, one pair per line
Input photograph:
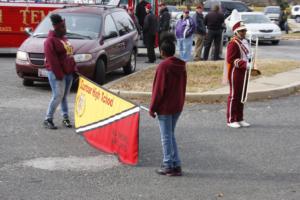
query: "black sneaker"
66, 122
177, 171
165, 171
48, 123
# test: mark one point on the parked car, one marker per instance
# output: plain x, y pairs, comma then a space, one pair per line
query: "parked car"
226, 6
104, 39
174, 11
273, 13
295, 14
258, 25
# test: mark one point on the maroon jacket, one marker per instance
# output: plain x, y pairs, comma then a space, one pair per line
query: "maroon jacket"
234, 54
168, 92
59, 55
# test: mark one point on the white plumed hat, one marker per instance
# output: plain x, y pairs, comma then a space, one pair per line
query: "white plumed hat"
236, 22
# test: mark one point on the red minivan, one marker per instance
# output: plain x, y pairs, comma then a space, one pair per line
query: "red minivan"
104, 39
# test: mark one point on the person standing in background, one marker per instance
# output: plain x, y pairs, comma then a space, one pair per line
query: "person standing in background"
214, 21
61, 65
200, 32
140, 12
149, 32
130, 11
283, 19
164, 20
185, 28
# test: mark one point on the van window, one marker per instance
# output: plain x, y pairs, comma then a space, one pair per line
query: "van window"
80, 26
109, 26
123, 22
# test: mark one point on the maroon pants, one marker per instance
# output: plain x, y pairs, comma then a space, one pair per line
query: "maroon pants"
235, 108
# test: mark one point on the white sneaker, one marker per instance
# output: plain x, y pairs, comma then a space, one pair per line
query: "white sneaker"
244, 124
234, 125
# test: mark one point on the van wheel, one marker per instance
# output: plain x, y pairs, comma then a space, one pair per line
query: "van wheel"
131, 65
100, 72
275, 42
27, 82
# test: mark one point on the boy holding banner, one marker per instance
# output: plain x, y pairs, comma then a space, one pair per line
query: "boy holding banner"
167, 103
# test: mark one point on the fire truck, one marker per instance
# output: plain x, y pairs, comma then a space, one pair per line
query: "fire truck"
18, 15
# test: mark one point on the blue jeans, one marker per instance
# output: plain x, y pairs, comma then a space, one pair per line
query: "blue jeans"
185, 48
167, 124
60, 90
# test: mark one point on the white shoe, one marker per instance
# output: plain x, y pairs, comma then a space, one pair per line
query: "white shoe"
244, 124
234, 125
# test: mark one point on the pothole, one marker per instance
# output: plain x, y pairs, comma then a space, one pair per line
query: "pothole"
72, 163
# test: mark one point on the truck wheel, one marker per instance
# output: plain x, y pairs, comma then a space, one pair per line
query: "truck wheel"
131, 65
100, 72
27, 82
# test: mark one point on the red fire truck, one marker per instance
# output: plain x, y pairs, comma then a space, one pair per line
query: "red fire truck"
16, 15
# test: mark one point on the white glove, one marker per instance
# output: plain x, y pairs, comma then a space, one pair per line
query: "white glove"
249, 57
249, 66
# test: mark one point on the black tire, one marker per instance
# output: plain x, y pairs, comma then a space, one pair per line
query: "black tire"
131, 65
275, 42
27, 82
100, 72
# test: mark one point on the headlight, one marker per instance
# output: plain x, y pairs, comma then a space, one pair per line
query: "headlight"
82, 57
277, 30
21, 55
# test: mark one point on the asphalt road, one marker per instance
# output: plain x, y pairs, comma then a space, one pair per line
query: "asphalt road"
261, 162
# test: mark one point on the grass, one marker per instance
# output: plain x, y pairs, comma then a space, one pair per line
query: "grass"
291, 36
202, 76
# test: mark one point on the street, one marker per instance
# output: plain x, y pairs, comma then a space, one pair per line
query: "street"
261, 162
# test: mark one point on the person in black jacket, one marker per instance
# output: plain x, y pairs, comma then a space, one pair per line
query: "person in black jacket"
164, 20
149, 32
199, 33
140, 12
214, 21
130, 11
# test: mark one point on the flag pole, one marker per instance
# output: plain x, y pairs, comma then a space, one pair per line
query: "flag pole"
144, 108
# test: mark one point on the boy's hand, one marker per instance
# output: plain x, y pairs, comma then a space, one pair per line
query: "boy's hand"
152, 114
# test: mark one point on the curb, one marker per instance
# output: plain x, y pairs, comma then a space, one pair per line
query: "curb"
220, 97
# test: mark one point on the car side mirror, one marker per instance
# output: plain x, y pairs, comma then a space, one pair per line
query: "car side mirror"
110, 35
28, 31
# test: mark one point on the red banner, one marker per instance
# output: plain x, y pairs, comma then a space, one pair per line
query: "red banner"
119, 137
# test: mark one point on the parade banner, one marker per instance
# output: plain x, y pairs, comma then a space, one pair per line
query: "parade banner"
107, 121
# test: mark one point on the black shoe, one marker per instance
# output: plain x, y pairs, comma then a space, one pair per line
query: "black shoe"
165, 171
177, 171
66, 122
48, 123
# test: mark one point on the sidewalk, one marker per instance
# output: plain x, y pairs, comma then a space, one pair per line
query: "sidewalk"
279, 85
